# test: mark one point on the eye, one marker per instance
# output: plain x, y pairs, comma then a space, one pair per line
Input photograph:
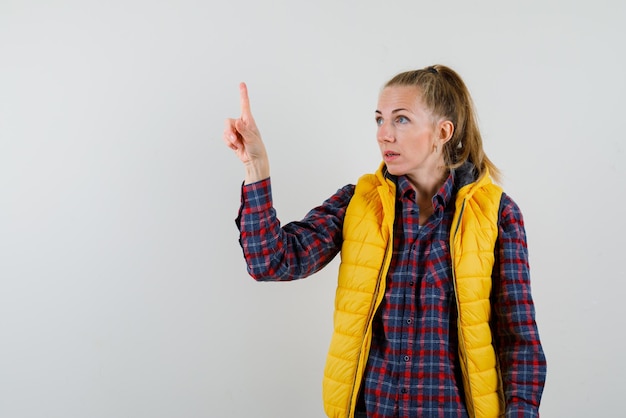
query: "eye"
402, 120
379, 121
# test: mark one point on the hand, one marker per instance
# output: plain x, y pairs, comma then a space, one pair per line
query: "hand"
243, 136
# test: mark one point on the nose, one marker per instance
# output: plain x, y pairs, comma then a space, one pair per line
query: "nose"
385, 133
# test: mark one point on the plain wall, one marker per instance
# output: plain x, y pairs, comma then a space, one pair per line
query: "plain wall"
123, 290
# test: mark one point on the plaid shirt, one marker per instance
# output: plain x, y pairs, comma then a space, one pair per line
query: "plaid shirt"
413, 366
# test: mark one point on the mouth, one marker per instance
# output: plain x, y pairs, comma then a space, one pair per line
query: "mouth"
390, 154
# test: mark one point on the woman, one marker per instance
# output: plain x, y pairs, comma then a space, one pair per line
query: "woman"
433, 314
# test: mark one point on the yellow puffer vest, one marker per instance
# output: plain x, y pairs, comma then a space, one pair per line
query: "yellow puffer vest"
365, 258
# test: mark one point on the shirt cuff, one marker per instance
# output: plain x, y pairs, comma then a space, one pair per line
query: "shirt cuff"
256, 197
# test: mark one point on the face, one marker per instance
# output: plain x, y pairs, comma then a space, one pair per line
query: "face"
410, 139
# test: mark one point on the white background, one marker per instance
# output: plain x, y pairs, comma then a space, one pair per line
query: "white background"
123, 290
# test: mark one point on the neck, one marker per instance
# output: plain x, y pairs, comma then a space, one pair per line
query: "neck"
426, 185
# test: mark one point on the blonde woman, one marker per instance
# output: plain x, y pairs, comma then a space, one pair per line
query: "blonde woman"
433, 314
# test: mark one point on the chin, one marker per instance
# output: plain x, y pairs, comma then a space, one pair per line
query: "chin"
395, 171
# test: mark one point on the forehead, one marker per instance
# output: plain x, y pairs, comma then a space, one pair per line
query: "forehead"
400, 97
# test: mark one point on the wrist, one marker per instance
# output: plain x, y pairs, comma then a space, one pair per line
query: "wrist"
257, 171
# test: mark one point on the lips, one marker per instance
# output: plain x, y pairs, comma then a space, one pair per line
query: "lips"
390, 156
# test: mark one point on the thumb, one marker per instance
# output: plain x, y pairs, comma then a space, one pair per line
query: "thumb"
246, 129
242, 127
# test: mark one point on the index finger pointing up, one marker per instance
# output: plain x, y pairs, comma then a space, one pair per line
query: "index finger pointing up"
245, 101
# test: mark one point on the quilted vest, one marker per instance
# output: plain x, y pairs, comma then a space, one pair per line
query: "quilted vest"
365, 258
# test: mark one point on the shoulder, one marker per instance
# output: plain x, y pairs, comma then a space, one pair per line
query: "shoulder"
341, 197
510, 217
509, 208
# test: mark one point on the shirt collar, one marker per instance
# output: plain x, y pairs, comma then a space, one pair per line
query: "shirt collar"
444, 195
440, 199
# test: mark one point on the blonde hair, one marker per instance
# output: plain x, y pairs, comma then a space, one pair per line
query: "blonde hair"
444, 93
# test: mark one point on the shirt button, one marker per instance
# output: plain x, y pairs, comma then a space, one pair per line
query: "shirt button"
404, 390
407, 358
411, 283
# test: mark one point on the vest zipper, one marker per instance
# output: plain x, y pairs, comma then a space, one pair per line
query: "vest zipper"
462, 361
370, 315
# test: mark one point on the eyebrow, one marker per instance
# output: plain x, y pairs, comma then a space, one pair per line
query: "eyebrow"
394, 111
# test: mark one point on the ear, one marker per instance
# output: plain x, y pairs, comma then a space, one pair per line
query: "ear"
445, 129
